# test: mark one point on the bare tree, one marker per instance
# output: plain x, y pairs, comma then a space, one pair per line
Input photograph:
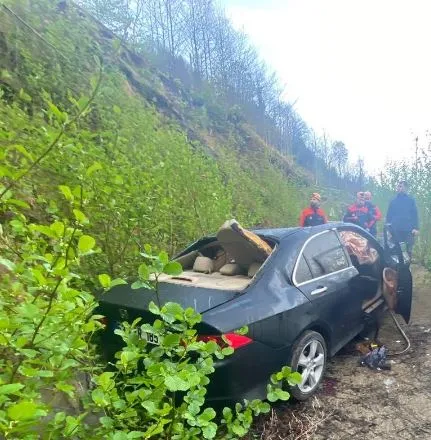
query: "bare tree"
340, 156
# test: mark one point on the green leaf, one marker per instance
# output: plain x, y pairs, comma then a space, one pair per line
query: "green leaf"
59, 115
99, 397
93, 168
117, 282
242, 331
207, 415
227, 414
80, 217
172, 312
209, 431
46, 373
21, 341
60, 417
66, 192
11, 388
282, 395
264, 407
140, 284
39, 277
105, 280
175, 383
135, 434
19, 203
29, 310
66, 388
150, 406
46, 230
239, 430
105, 380
294, 378
86, 243
227, 351
58, 228
171, 340
164, 257
144, 272
24, 151
286, 371
173, 268
153, 308
29, 372
23, 410
116, 109
272, 397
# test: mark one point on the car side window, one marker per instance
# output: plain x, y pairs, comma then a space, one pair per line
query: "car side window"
303, 272
325, 254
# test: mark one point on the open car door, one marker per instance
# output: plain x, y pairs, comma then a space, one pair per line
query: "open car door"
397, 276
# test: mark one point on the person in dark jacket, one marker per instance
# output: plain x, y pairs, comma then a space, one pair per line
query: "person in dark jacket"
313, 215
403, 216
375, 213
359, 213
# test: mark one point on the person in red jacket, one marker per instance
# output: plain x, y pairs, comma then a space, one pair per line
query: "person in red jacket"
375, 212
359, 213
313, 215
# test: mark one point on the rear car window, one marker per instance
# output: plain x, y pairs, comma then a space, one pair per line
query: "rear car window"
325, 254
303, 272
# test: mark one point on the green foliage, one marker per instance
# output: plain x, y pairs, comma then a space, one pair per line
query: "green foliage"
46, 321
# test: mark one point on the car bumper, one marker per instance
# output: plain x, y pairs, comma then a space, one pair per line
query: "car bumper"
246, 373
243, 375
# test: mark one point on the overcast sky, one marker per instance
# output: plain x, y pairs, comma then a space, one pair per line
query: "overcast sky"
359, 69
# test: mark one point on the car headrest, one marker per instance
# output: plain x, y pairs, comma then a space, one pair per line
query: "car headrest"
203, 265
231, 269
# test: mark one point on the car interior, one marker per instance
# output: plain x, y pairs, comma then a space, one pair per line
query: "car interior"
368, 283
229, 262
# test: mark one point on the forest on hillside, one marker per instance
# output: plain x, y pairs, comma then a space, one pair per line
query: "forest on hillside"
194, 42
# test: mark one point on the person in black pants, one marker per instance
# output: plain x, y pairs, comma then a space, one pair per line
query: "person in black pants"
403, 216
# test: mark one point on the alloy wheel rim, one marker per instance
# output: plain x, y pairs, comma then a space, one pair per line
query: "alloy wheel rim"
310, 365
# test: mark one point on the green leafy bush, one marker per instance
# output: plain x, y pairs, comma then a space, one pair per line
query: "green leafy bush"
46, 319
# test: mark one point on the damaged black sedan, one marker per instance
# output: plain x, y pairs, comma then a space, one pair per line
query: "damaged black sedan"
304, 293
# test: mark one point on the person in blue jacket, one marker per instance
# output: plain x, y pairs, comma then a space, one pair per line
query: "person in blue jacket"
403, 216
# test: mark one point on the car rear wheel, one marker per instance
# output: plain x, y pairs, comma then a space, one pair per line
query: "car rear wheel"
309, 359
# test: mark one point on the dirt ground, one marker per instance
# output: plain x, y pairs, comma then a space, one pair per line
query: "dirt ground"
356, 403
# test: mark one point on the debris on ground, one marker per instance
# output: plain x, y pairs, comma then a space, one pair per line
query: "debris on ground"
298, 421
374, 355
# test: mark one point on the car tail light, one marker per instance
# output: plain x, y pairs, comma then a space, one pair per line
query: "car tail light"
233, 340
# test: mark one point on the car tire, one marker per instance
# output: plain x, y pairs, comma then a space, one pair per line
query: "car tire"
309, 355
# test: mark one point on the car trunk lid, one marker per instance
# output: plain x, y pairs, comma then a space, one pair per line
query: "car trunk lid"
125, 304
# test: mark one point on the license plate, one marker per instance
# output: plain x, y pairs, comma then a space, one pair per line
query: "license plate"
150, 338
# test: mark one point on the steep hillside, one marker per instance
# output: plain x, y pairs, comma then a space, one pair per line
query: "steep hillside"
146, 160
